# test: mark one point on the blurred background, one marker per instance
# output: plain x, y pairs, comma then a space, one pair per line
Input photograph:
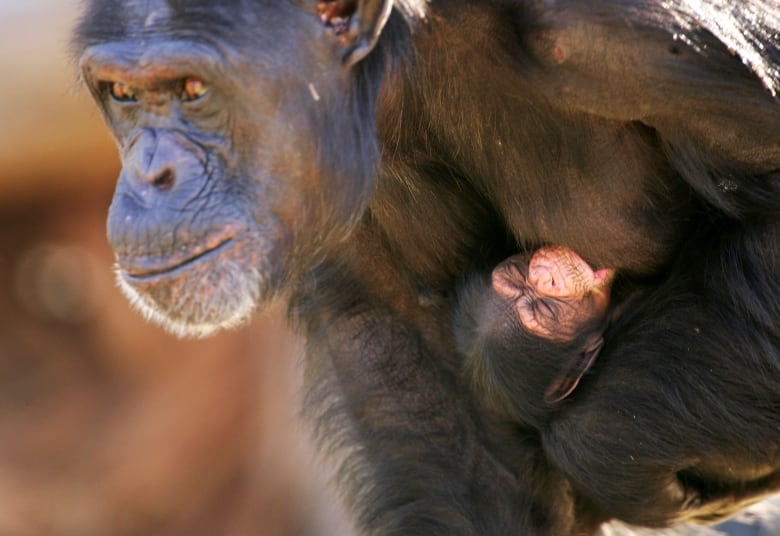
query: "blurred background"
107, 424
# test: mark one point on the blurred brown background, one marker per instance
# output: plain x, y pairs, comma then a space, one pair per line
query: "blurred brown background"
107, 424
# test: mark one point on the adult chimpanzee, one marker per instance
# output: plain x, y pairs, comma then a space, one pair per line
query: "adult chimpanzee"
532, 330
364, 155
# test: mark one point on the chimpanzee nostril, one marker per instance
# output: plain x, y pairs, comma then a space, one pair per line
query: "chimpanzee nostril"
158, 160
164, 180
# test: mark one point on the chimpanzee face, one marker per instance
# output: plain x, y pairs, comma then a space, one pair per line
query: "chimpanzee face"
241, 159
555, 294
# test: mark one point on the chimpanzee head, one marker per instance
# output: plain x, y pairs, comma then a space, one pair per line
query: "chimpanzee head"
247, 138
533, 328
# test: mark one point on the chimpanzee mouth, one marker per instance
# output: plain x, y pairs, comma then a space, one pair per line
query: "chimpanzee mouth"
145, 270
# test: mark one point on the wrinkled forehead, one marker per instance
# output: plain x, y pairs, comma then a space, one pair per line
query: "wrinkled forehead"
110, 17
225, 21
151, 12
264, 35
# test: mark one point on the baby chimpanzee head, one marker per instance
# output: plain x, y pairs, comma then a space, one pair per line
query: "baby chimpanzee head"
533, 328
555, 296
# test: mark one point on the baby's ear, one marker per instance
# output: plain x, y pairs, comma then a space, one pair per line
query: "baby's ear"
593, 348
564, 384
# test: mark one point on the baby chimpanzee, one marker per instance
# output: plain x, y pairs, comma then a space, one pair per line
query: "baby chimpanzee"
532, 328
532, 331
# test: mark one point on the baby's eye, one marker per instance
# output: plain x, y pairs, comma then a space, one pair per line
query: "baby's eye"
545, 309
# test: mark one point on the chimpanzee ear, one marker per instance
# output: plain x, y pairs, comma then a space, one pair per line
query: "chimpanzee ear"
357, 23
564, 384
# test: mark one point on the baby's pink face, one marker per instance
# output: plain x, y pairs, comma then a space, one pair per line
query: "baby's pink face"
559, 295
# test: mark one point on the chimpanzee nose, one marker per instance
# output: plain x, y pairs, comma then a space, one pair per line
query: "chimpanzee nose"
160, 159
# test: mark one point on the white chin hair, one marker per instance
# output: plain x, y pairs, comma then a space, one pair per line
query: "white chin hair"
205, 307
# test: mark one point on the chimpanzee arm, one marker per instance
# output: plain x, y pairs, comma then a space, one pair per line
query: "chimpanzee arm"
706, 79
415, 453
662, 65
631, 468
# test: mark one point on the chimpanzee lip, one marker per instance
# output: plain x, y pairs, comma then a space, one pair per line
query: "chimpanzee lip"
193, 256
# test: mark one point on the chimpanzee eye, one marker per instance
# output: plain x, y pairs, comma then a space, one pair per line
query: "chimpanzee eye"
546, 309
194, 89
121, 92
